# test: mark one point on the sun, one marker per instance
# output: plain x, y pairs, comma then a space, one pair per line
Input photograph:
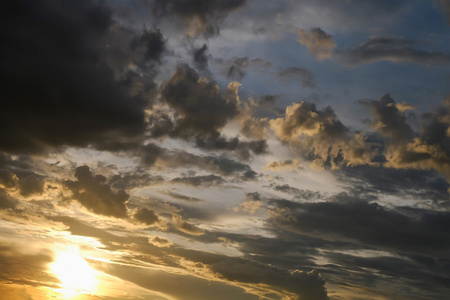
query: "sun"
75, 274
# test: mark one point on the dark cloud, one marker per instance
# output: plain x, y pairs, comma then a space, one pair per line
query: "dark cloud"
201, 58
208, 180
305, 76
306, 285
390, 49
389, 120
146, 216
406, 183
134, 179
184, 197
8, 179
430, 148
93, 193
298, 193
56, 81
267, 100
31, 184
200, 17
202, 107
418, 232
236, 68
153, 43
6, 201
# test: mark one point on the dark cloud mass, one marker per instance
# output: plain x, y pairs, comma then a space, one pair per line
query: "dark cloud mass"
201, 17
391, 49
93, 193
203, 108
57, 89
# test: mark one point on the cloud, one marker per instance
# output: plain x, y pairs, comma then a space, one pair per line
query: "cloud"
305, 76
154, 44
145, 216
93, 193
202, 107
6, 201
419, 185
390, 49
430, 148
199, 17
31, 184
285, 165
318, 42
236, 68
184, 197
306, 285
25, 269
304, 120
317, 135
412, 232
134, 179
201, 58
389, 120
200, 180
298, 193
62, 91
185, 227
160, 242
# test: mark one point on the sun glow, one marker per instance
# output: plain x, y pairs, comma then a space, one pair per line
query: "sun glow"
75, 274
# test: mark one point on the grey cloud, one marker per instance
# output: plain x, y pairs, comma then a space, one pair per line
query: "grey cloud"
153, 43
184, 197
306, 285
184, 226
243, 149
236, 68
201, 58
389, 120
318, 42
430, 148
146, 216
420, 232
6, 201
134, 179
298, 193
419, 184
305, 76
160, 242
390, 49
93, 193
208, 180
8, 179
57, 82
31, 184
201, 17
203, 109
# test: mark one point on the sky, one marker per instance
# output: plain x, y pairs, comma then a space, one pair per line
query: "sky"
225, 149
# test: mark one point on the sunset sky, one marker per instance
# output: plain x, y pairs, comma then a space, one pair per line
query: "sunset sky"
225, 149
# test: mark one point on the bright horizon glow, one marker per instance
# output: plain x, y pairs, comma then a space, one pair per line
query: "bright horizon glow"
75, 274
